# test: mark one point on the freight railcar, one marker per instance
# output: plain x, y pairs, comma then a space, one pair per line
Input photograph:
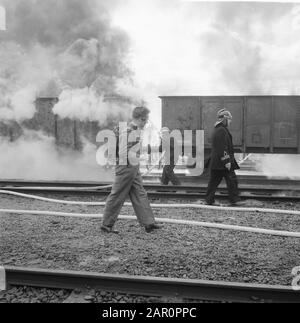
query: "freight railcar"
67, 133
261, 124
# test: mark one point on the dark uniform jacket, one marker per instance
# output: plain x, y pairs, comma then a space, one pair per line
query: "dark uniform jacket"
222, 151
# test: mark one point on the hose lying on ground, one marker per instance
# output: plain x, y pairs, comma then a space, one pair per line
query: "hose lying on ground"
163, 220
192, 206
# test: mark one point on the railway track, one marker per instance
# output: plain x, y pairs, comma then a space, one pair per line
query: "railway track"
153, 179
151, 286
250, 187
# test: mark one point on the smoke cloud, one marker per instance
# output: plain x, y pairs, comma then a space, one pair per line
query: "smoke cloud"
56, 46
274, 166
66, 49
85, 104
213, 48
34, 150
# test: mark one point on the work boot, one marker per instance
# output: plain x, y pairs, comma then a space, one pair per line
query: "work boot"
108, 229
149, 228
209, 202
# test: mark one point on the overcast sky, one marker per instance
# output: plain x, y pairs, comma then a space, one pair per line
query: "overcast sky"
189, 47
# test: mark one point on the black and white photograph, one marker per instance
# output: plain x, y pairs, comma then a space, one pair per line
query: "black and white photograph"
150, 154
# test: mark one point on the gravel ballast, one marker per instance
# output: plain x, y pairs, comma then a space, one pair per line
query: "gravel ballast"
176, 251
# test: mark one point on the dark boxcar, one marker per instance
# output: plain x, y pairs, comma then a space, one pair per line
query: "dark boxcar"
87, 130
10, 130
43, 119
68, 133
262, 124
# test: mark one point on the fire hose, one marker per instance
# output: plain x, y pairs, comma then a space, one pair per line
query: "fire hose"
193, 206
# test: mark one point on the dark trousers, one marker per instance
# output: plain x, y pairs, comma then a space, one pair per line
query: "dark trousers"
216, 177
169, 175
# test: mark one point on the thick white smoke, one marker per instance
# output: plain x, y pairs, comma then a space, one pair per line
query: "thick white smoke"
33, 151
55, 46
280, 166
85, 104
22, 74
66, 49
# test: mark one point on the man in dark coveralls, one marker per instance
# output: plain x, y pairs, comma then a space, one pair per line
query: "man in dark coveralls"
128, 180
171, 157
222, 161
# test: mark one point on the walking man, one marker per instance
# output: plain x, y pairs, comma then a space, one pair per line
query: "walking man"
222, 161
128, 179
171, 157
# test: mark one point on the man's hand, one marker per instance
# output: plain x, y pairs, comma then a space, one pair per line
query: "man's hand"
228, 166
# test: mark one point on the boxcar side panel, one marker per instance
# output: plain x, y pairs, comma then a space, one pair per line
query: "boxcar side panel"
43, 118
285, 122
87, 130
65, 133
261, 124
182, 113
210, 107
235, 106
11, 130
258, 122
4, 130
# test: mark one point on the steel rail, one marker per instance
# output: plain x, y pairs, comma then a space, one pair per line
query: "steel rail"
243, 179
193, 188
264, 190
182, 195
182, 192
154, 286
250, 183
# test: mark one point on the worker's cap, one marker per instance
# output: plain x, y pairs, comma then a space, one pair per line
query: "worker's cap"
164, 130
224, 114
